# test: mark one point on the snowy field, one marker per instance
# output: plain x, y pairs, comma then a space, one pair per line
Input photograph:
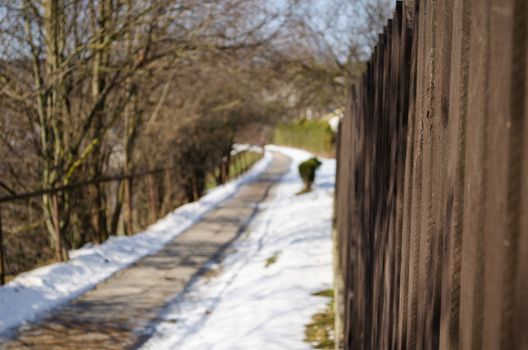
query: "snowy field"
260, 296
32, 294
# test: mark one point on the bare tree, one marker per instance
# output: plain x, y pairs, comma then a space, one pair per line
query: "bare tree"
83, 82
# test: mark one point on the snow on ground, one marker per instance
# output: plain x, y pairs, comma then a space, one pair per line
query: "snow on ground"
33, 293
248, 305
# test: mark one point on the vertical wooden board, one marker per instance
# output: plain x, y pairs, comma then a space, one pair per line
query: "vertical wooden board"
442, 64
406, 235
374, 294
453, 205
402, 89
410, 116
449, 318
425, 215
372, 235
399, 74
344, 203
355, 251
515, 125
342, 215
388, 135
496, 230
363, 198
338, 241
472, 260
416, 204
355, 227
521, 288
386, 247
361, 185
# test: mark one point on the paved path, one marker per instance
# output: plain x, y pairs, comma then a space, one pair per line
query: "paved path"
119, 312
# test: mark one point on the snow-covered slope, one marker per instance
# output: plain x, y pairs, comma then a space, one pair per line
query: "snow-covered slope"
249, 305
33, 293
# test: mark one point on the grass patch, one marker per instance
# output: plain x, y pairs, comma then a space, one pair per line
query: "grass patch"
320, 331
272, 259
328, 293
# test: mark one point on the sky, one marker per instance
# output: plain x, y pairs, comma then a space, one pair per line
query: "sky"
341, 23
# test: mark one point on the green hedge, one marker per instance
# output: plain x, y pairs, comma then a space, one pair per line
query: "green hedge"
312, 135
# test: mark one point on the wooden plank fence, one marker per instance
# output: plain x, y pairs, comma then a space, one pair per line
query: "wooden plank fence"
432, 188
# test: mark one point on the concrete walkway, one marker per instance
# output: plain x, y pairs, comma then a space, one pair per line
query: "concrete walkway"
119, 312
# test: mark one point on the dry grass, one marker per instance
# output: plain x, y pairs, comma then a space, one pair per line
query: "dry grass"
272, 259
320, 331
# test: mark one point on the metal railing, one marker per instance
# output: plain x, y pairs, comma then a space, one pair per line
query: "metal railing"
240, 160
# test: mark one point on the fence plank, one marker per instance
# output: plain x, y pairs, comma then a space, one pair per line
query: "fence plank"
431, 182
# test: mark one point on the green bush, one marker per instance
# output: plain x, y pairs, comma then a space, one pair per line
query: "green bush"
307, 171
312, 135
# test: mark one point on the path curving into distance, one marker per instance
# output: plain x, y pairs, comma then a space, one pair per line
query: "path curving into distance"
120, 312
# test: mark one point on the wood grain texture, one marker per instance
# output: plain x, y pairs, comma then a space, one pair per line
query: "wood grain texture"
432, 193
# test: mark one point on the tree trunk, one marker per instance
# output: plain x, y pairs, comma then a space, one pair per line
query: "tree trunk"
51, 113
99, 82
129, 219
168, 193
119, 195
61, 253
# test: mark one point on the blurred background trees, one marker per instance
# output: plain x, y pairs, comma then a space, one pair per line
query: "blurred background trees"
91, 88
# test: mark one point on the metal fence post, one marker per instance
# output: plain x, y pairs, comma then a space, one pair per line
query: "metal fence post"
56, 220
129, 206
2, 253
